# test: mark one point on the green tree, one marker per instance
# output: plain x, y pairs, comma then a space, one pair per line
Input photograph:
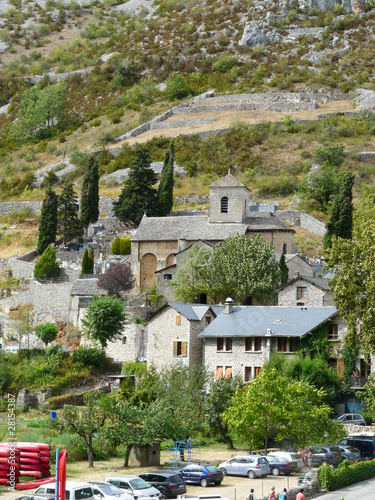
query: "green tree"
86, 265
115, 248
188, 282
332, 154
22, 324
271, 405
322, 185
69, 225
241, 267
341, 221
86, 421
176, 87
165, 190
125, 246
39, 108
104, 319
47, 332
367, 396
218, 400
91, 261
138, 195
90, 193
47, 266
283, 270
48, 221
353, 283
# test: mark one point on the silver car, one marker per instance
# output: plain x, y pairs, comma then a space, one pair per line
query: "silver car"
350, 418
251, 466
106, 491
349, 452
134, 486
292, 456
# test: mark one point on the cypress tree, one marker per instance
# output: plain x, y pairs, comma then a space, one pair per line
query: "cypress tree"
91, 259
165, 191
341, 221
90, 193
115, 248
69, 224
284, 270
48, 221
138, 195
86, 263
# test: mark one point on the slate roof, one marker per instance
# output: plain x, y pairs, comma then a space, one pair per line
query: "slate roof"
228, 181
194, 311
198, 227
87, 287
319, 282
254, 321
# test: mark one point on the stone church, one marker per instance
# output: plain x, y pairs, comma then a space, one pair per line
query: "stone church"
158, 239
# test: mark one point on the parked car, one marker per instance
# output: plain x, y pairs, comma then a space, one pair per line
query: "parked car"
291, 456
39, 496
251, 466
305, 479
365, 446
73, 490
281, 465
350, 453
168, 483
351, 418
326, 455
105, 491
202, 474
135, 486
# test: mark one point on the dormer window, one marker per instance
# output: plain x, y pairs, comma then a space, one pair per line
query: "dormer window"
224, 205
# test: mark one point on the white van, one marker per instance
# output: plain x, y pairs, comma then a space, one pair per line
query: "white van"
73, 490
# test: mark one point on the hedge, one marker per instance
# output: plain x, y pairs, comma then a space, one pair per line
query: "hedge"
347, 473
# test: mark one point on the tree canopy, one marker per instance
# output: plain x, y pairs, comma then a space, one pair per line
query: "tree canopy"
48, 221
90, 193
47, 266
104, 319
47, 332
165, 190
138, 195
118, 278
69, 225
189, 280
353, 283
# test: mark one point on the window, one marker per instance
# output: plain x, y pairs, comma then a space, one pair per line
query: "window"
333, 332
208, 320
224, 205
223, 371
293, 345
228, 372
178, 319
167, 277
247, 377
253, 344
281, 344
287, 344
257, 371
179, 348
124, 340
301, 292
223, 344
285, 249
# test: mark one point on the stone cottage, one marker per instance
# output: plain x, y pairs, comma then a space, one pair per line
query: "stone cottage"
305, 291
158, 239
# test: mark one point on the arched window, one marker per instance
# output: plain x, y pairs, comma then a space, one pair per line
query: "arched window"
285, 248
224, 205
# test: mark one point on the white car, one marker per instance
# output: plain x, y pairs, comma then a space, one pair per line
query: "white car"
135, 486
292, 456
73, 490
106, 491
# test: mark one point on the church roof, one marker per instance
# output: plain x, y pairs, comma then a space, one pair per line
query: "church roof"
87, 287
228, 181
265, 222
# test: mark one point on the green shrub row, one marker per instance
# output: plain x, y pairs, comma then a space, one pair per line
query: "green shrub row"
346, 473
120, 246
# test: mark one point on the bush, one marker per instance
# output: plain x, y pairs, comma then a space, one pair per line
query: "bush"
125, 246
176, 87
224, 63
89, 356
346, 474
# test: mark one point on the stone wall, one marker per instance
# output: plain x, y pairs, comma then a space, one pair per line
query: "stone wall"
20, 268
7, 207
301, 219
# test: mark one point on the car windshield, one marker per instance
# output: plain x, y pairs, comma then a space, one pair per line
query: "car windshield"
212, 469
138, 484
341, 417
109, 490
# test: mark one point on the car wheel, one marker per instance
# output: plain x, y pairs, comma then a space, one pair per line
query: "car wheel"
251, 474
204, 483
275, 471
217, 483
163, 495
224, 471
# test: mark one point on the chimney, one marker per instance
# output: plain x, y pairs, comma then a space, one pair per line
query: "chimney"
228, 305
296, 274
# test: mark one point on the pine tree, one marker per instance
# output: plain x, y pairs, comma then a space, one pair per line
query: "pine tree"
284, 270
91, 259
90, 193
86, 263
47, 266
48, 221
165, 191
341, 221
138, 195
69, 224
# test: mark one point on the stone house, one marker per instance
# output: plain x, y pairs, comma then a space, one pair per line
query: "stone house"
241, 338
296, 264
173, 334
305, 291
158, 239
81, 294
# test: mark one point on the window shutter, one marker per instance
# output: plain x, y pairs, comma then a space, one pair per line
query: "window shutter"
184, 349
219, 372
228, 372
175, 348
178, 319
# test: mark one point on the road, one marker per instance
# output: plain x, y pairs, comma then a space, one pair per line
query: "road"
363, 490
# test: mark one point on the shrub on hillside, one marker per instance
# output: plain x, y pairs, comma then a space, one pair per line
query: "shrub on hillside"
57, 402
47, 267
89, 356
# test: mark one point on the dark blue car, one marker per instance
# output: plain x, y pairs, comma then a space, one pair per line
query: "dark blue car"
202, 474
